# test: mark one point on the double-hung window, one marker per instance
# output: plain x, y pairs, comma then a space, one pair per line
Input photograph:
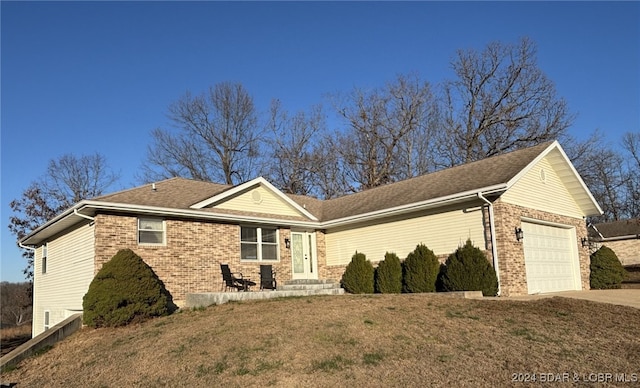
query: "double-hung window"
151, 231
258, 244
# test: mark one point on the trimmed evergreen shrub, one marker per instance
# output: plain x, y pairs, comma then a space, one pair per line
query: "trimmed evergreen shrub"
358, 276
606, 270
124, 291
467, 269
420, 270
389, 275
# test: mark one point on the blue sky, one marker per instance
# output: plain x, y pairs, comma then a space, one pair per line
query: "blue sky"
85, 77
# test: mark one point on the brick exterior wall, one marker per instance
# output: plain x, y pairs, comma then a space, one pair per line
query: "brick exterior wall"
190, 260
513, 278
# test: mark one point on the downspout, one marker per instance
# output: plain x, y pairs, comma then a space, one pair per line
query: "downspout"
77, 213
26, 247
492, 230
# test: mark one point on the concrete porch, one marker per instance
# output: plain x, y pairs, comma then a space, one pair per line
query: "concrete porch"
290, 288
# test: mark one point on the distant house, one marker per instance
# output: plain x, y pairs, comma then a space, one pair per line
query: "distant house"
525, 209
623, 237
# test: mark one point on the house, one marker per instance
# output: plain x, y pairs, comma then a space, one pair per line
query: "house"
525, 209
623, 237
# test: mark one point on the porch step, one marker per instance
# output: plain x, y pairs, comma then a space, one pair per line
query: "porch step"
309, 285
208, 299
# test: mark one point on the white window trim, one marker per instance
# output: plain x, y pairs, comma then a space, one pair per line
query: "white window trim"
259, 245
164, 232
47, 319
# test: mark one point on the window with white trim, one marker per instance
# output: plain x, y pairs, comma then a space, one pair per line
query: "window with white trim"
43, 261
46, 320
258, 244
151, 231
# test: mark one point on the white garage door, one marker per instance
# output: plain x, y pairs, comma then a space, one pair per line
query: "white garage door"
551, 258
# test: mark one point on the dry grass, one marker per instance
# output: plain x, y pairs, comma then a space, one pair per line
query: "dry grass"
378, 340
12, 337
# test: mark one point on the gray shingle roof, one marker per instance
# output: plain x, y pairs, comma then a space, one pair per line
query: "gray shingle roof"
181, 193
619, 228
472, 176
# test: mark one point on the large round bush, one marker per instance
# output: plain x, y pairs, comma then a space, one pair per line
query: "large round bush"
606, 270
125, 290
358, 276
467, 269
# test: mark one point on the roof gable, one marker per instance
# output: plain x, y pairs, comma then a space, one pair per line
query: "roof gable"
257, 195
552, 175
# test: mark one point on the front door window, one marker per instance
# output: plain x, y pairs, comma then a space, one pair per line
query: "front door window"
303, 255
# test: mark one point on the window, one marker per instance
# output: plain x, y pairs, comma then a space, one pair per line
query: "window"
45, 249
150, 231
258, 244
46, 320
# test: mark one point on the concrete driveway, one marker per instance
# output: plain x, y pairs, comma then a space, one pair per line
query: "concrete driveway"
623, 297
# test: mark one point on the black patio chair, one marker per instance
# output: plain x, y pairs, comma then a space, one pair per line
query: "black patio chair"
235, 280
267, 278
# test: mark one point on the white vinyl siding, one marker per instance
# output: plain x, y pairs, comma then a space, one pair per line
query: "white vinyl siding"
69, 273
548, 195
259, 200
443, 233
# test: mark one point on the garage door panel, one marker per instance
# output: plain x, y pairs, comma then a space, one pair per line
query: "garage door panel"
550, 259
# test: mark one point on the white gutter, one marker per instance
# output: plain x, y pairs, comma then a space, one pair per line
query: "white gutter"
412, 206
26, 247
492, 230
77, 213
618, 238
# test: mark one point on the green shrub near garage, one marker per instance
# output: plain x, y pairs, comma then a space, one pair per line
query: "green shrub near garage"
467, 269
420, 270
606, 270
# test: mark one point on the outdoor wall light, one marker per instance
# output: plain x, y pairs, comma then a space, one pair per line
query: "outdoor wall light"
585, 242
519, 234
287, 243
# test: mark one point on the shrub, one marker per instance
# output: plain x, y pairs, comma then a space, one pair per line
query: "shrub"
606, 270
389, 275
467, 269
358, 276
420, 270
125, 290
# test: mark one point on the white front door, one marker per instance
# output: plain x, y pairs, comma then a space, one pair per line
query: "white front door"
303, 255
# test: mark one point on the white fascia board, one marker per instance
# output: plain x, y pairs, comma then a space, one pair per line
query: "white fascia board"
67, 213
260, 181
164, 211
556, 146
416, 206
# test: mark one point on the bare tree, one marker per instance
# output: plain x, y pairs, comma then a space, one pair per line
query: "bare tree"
379, 146
217, 139
16, 300
499, 102
631, 144
68, 180
291, 142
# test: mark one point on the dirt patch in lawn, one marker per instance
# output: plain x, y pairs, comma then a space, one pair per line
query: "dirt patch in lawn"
375, 340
